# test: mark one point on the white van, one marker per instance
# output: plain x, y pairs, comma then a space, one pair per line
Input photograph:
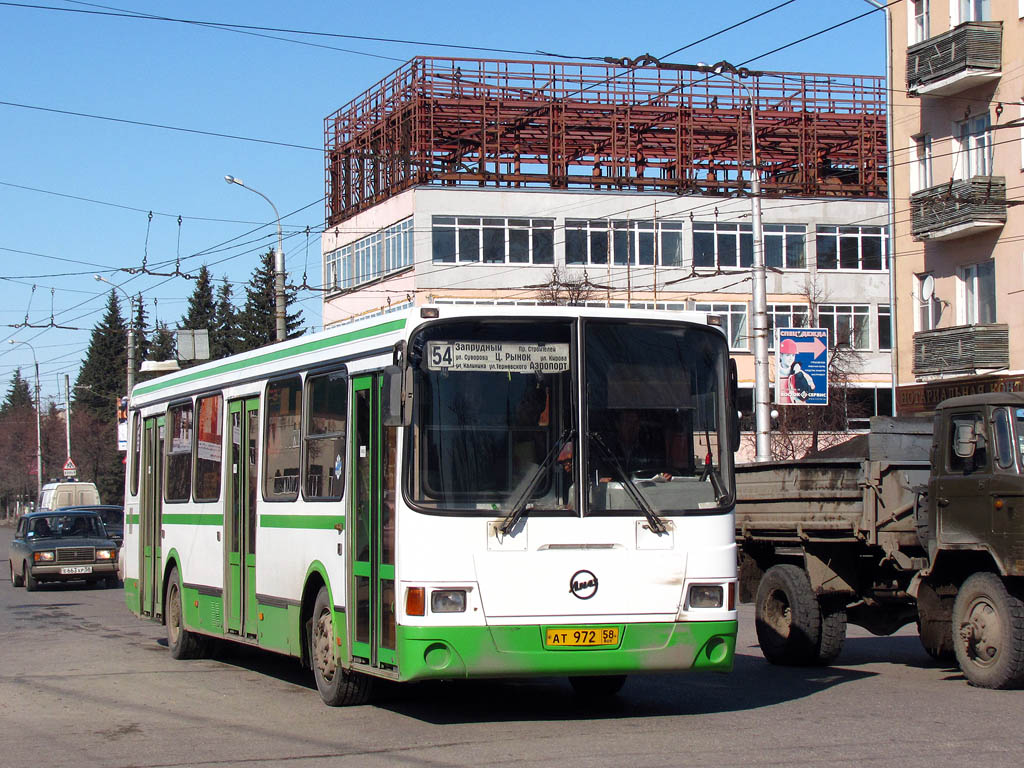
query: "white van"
67, 493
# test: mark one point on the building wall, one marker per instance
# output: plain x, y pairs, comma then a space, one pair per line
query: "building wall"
937, 116
673, 287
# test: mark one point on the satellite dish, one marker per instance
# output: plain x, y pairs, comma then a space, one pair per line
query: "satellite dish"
927, 288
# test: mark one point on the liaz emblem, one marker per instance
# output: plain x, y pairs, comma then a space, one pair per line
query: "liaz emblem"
583, 585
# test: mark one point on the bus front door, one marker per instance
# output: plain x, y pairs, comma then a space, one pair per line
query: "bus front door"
150, 517
372, 530
240, 518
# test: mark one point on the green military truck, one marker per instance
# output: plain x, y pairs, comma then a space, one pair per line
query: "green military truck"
920, 520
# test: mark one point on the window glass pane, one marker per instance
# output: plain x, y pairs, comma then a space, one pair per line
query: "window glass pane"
281, 440
518, 246
884, 327
849, 256
1004, 438
773, 251
494, 246
727, 250
136, 451
178, 470
443, 245
544, 245
575, 245
621, 239
598, 247
795, 258
209, 438
469, 244
672, 249
326, 410
986, 292
703, 249
872, 253
827, 252
746, 249
646, 241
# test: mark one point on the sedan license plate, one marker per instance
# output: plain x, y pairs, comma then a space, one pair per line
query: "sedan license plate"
581, 637
72, 570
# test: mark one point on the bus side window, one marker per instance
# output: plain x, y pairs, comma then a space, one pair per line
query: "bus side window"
281, 440
323, 468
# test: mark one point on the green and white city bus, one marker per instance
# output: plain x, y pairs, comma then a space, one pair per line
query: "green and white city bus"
446, 492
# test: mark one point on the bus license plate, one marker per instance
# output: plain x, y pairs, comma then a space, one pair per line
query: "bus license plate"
581, 637
75, 569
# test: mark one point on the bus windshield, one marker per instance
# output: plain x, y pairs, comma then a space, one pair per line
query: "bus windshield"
653, 418
497, 423
493, 399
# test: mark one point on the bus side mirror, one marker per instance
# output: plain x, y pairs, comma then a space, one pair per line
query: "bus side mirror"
391, 401
733, 406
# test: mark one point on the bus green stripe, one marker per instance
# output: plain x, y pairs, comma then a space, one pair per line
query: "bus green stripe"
184, 518
280, 354
316, 522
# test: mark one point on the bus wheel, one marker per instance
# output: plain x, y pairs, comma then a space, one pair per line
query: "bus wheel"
338, 687
787, 617
181, 643
597, 686
17, 579
988, 632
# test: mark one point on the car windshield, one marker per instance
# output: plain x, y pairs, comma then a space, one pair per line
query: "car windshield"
112, 517
66, 526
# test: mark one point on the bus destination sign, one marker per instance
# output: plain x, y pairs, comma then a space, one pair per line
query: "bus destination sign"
497, 357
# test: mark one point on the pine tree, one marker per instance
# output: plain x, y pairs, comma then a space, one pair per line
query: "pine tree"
201, 305
18, 394
162, 347
224, 335
103, 376
141, 332
256, 325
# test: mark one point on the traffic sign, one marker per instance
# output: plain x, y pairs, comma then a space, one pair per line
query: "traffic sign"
70, 468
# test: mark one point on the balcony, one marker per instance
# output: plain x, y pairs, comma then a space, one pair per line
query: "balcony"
958, 208
966, 56
962, 349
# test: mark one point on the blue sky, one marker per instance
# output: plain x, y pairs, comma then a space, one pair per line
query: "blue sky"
208, 79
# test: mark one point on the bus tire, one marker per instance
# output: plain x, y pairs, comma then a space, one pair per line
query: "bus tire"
787, 617
597, 686
31, 582
182, 643
338, 687
988, 633
17, 579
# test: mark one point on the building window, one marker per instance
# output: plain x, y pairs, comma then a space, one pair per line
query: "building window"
784, 246
974, 10
722, 246
928, 309
978, 293
919, 21
735, 318
974, 148
369, 258
921, 163
634, 243
786, 316
884, 327
492, 240
861, 248
848, 324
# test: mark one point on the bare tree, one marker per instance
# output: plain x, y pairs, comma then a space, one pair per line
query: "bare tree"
567, 288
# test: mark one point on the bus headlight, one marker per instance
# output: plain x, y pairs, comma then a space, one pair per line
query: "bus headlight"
41, 557
448, 601
705, 596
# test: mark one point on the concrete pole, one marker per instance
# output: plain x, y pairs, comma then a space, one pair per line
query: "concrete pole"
67, 411
39, 430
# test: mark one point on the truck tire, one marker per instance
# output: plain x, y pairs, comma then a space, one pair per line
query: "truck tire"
935, 623
988, 629
792, 627
338, 687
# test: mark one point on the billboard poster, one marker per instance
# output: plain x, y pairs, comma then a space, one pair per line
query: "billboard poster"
801, 366
122, 423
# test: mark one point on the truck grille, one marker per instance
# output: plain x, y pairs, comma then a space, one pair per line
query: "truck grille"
76, 554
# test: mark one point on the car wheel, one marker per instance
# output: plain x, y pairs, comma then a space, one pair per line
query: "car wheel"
338, 687
31, 583
181, 643
16, 578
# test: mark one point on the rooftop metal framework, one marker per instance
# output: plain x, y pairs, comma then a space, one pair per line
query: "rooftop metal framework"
530, 124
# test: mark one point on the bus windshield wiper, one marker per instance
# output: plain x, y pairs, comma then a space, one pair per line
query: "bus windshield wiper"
656, 523
519, 508
711, 475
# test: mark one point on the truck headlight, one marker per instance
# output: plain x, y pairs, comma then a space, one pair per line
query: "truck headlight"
42, 557
705, 596
448, 601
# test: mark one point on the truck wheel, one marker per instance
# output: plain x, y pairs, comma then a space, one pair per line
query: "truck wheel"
935, 623
988, 627
338, 687
833, 631
17, 579
787, 617
181, 643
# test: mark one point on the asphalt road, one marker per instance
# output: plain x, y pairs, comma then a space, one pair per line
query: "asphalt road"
85, 683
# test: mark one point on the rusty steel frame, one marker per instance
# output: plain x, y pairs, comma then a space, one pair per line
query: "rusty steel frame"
530, 124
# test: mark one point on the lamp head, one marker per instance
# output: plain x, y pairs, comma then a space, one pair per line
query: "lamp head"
232, 180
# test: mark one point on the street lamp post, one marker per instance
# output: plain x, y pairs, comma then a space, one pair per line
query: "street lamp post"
39, 431
759, 291
279, 308
131, 332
